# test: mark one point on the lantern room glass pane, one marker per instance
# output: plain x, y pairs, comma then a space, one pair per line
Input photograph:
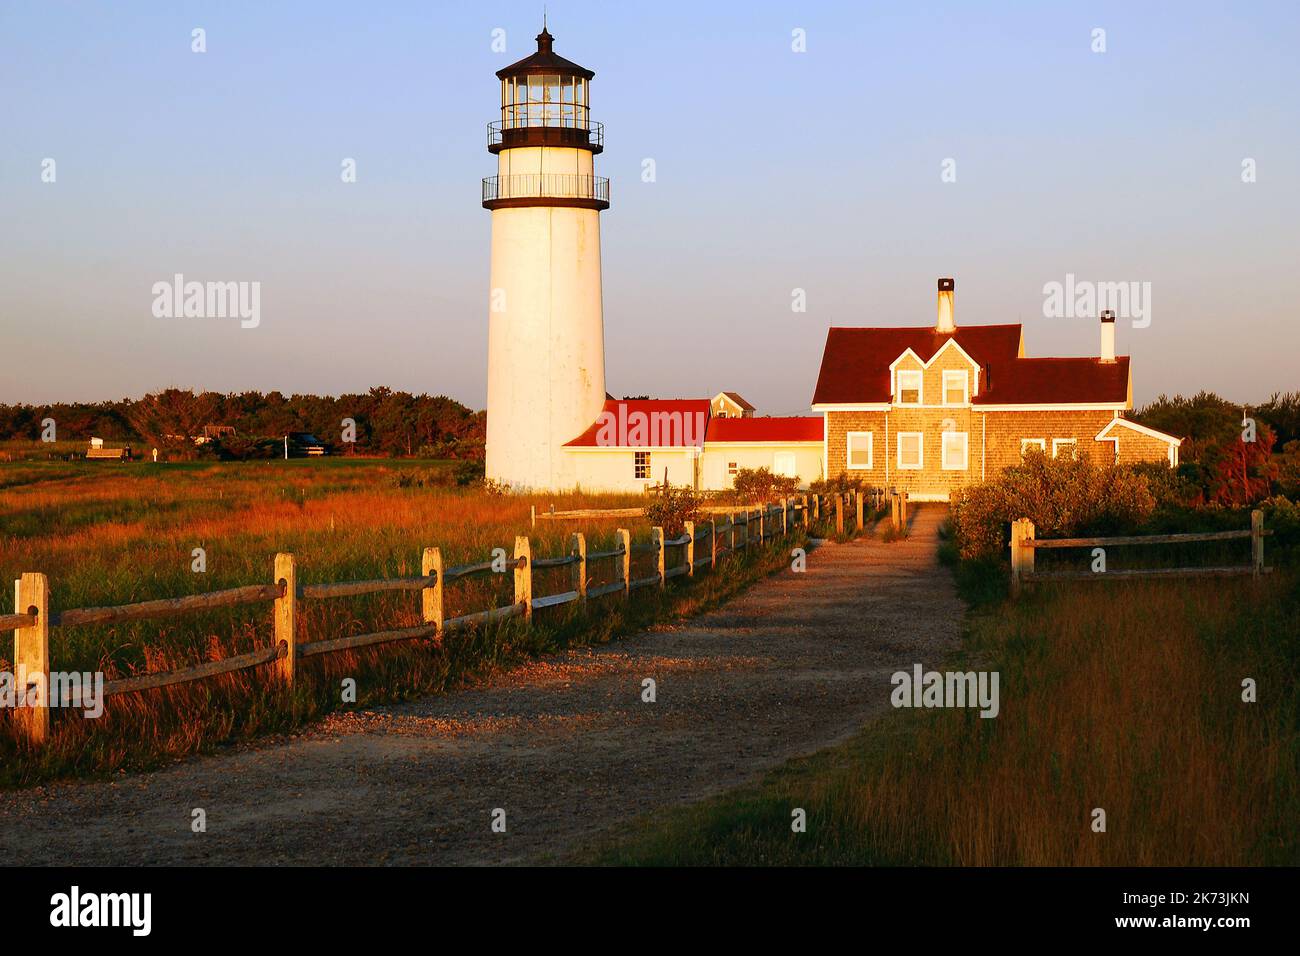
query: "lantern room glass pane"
544, 100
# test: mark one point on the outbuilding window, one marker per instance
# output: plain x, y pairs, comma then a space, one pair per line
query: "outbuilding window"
641, 464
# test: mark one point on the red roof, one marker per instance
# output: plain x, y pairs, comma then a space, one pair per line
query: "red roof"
855, 367
1040, 381
764, 429
647, 423
855, 364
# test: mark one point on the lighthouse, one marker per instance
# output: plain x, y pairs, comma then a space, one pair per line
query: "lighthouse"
546, 336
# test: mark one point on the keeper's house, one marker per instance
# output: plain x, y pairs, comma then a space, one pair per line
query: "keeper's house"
930, 410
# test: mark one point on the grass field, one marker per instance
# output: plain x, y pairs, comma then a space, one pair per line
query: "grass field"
1121, 696
109, 533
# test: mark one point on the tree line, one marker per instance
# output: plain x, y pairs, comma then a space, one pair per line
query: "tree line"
381, 422
1232, 454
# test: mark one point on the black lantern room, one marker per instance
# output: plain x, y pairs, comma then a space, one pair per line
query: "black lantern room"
545, 101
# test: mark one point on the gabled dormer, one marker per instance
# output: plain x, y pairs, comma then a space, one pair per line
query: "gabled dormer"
950, 378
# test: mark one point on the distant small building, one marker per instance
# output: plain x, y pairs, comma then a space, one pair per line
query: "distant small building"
97, 443
731, 405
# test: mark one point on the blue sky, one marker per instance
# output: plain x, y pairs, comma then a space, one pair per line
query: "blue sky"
775, 170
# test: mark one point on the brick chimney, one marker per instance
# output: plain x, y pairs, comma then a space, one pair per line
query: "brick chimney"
945, 323
1108, 335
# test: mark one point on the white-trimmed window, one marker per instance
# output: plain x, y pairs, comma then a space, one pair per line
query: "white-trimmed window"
909, 387
859, 450
956, 387
1065, 448
641, 464
732, 468
955, 451
1032, 444
783, 463
910, 450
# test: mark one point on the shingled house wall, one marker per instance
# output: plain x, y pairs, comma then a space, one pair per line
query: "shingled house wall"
993, 440
1134, 447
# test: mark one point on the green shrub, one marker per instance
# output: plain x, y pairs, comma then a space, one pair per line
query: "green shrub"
671, 508
839, 484
467, 473
1060, 496
757, 486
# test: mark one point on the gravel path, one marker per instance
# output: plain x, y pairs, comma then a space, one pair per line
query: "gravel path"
564, 745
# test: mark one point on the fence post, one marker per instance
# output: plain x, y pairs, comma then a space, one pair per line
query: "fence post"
817, 507
524, 575
579, 573
690, 548
857, 501
532, 512
785, 517
713, 542
804, 508
625, 542
431, 597
1015, 557
1257, 542
286, 614
657, 539
1022, 556
894, 509
839, 513
902, 508
32, 658
731, 531
762, 510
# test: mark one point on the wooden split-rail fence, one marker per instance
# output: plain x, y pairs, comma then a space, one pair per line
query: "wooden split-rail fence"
1024, 545
703, 547
854, 503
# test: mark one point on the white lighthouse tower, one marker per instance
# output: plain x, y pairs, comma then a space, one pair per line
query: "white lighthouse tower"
546, 336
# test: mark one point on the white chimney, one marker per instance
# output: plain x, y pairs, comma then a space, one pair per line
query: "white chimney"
945, 323
1108, 335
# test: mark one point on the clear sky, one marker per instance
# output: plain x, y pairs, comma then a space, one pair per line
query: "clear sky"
776, 170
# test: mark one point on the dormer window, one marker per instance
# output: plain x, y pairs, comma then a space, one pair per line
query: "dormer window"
956, 387
909, 388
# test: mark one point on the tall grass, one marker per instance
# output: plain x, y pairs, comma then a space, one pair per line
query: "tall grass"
1125, 697
120, 534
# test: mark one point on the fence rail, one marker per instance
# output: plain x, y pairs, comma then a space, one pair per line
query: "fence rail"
858, 501
32, 621
1024, 544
